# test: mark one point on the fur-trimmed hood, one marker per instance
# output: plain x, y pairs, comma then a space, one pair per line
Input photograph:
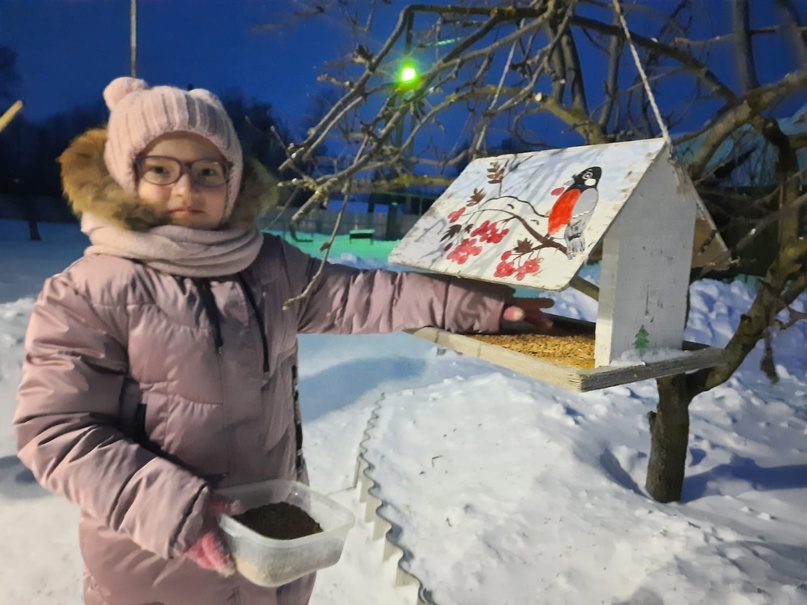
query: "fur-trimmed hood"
90, 188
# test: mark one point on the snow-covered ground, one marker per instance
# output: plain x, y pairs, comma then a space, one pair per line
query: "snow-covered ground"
506, 490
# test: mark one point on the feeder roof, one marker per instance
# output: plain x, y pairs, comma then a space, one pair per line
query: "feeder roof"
533, 219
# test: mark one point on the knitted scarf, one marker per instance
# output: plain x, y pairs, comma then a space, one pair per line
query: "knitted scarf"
176, 250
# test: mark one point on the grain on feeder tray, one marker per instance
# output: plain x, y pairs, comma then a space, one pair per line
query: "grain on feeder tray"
572, 350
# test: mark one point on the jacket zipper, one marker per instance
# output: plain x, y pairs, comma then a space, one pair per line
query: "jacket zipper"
259, 318
211, 310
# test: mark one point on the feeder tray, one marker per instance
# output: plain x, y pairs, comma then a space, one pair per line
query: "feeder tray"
531, 220
565, 356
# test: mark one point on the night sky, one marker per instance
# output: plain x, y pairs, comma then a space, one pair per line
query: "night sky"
68, 50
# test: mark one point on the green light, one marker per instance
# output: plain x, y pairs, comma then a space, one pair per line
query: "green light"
409, 74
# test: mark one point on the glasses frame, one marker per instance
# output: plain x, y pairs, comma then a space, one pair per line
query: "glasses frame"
184, 168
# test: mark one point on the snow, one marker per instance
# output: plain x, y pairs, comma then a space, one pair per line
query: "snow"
503, 489
635, 357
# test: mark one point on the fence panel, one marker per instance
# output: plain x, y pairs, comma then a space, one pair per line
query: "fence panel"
323, 222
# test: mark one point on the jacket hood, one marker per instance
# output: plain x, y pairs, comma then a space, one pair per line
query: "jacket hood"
90, 188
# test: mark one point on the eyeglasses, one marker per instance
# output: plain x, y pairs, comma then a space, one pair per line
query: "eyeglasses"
161, 170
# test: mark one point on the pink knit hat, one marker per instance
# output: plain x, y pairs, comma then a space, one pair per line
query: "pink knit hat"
139, 114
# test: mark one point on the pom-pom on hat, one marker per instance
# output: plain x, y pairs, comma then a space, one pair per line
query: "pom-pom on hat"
139, 114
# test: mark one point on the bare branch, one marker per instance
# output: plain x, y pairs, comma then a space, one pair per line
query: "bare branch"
742, 112
9, 114
795, 28
743, 45
683, 57
787, 274
611, 83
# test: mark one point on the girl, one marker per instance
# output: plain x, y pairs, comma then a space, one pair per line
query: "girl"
162, 364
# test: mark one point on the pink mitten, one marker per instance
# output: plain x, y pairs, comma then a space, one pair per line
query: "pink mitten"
210, 550
529, 310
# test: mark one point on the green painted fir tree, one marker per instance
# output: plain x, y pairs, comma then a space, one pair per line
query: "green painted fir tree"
641, 341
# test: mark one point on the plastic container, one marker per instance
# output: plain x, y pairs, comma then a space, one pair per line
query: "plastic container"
269, 562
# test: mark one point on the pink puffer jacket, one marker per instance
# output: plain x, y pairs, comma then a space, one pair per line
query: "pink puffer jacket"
142, 391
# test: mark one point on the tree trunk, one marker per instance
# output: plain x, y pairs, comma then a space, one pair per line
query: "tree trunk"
26, 204
33, 230
669, 437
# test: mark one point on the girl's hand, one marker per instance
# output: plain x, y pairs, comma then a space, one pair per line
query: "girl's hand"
529, 310
210, 550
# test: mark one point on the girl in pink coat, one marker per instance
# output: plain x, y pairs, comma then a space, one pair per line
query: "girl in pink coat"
162, 365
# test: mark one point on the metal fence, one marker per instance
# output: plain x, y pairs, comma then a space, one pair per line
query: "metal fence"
384, 226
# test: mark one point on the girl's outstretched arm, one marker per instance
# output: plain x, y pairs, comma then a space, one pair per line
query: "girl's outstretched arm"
346, 300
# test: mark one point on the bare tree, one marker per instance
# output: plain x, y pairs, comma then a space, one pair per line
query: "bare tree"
9, 75
515, 71
9, 89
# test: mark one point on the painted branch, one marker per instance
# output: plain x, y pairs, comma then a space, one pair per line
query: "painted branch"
544, 240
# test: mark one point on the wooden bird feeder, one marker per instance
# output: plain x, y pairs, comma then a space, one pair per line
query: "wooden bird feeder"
532, 220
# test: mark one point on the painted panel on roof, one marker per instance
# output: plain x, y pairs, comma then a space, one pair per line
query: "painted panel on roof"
528, 219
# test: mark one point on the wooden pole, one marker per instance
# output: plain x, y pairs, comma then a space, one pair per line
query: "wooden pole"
585, 287
133, 36
10, 113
